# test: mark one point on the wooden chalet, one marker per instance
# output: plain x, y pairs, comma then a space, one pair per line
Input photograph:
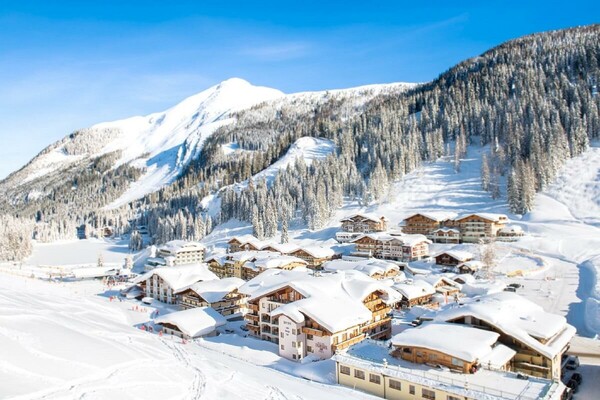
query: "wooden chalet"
364, 224
453, 258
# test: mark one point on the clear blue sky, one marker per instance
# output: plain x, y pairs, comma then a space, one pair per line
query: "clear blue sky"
65, 65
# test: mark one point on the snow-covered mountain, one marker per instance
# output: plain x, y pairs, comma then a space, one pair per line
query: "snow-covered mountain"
160, 145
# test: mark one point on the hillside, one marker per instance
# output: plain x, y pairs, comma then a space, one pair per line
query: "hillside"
533, 102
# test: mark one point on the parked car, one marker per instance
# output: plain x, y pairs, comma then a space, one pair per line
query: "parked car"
510, 289
515, 285
577, 376
573, 385
572, 362
567, 394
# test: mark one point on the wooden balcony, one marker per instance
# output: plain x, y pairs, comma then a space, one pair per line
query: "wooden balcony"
253, 307
252, 317
312, 331
348, 342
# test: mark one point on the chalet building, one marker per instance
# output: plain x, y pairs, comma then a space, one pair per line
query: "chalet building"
390, 247
222, 295
162, 284
372, 267
444, 344
445, 235
244, 243
191, 323
419, 292
317, 315
248, 264
442, 284
359, 223
453, 258
510, 233
538, 338
181, 252
481, 226
371, 368
314, 256
426, 223
470, 267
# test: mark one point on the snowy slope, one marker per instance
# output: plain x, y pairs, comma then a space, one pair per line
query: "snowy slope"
561, 249
68, 342
163, 143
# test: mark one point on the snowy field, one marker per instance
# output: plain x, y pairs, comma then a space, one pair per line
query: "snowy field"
69, 341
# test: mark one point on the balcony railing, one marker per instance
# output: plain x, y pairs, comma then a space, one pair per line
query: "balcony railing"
348, 342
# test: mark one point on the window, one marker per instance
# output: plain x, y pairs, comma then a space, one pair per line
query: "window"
309, 349
395, 385
344, 370
281, 334
375, 379
309, 337
453, 398
293, 344
428, 394
407, 350
457, 362
359, 374
294, 356
282, 347
293, 331
411, 389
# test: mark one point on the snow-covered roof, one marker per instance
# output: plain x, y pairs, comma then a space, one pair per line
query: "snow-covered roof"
460, 341
437, 216
175, 246
459, 255
363, 216
277, 261
370, 266
283, 248
518, 317
409, 240
473, 265
318, 251
488, 216
194, 322
180, 276
216, 289
485, 384
435, 280
445, 229
514, 229
418, 288
335, 301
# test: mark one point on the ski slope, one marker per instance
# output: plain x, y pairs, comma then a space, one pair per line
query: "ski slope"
68, 341
560, 255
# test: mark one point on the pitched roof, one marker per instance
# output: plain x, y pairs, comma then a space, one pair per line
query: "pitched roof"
335, 301
194, 322
214, 290
180, 276
369, 266
518, 317
437, 216
176, 246
418, 288
363, 216
489, 216
449, 339
457, 254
